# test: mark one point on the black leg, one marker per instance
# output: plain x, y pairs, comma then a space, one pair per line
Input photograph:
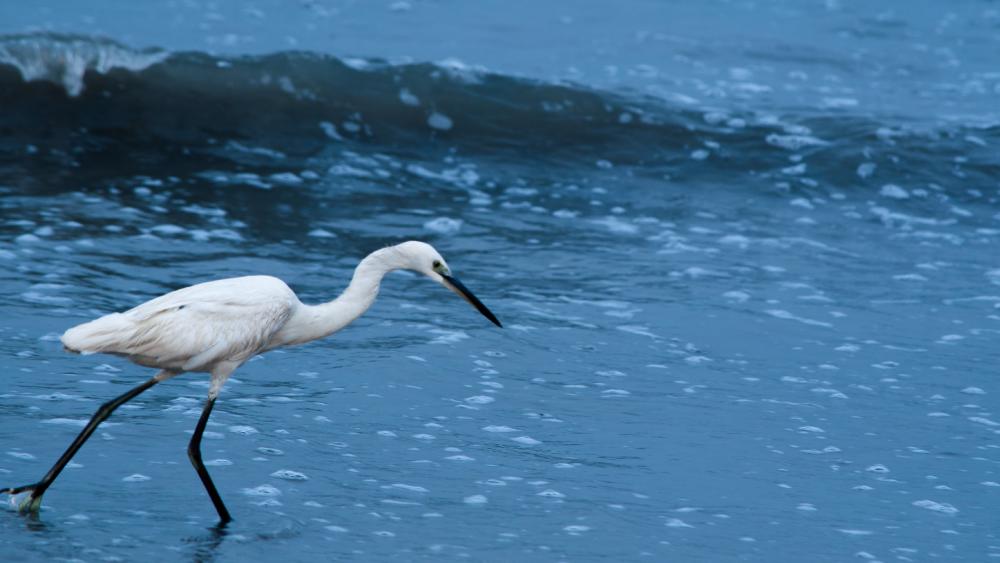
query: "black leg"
34, 500
194, 452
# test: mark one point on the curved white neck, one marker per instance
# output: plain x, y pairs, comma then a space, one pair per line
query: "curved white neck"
310, 322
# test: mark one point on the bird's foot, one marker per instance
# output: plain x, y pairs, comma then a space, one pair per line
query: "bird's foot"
24, 499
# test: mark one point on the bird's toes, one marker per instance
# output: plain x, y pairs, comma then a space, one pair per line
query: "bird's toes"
24, 499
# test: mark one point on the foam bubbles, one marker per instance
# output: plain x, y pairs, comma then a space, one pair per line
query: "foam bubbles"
794, 142
444, 225
409, 488
262, 491
893, 191
479, 400
289, 475
941, 507
408, 98
439, 121
499, 428
526, 440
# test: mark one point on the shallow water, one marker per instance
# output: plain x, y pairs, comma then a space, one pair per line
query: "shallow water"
746, 257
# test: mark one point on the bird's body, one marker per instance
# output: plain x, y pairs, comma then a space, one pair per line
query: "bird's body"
195, 328
216, 326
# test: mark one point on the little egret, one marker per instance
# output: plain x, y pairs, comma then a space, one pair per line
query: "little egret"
216, 326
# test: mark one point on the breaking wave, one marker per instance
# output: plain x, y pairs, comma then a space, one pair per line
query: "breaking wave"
79, 101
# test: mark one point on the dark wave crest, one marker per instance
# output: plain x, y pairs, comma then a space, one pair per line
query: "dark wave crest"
83, 102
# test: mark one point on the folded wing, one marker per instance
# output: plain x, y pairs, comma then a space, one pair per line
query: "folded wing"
192, 329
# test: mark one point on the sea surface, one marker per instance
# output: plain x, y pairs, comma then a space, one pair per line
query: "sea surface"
747, 257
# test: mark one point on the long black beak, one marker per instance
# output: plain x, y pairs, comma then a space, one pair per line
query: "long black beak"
457, 286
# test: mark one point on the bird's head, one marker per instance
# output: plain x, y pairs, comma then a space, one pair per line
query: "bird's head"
423, 258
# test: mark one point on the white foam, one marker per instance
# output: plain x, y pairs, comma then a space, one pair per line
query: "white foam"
499, 428
459, 70
526, 440
794, 142
894, 191
448, 336
410, 488
479, 400
781, 314
80, 422
330, 130
866, 169
439, 121
616, 225
262, 491
444, 225
356, 63
737, 296
408, 98
638, 330
45, 299
168, 230
993, 276
837, 103
289, 475
941, 507
286, 178
65, 59
984, 420
740, 241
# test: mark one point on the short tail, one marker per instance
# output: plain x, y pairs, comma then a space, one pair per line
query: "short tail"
99, 335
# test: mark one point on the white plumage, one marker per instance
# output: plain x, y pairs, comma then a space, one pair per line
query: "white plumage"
213, 327
192, 328
216, 326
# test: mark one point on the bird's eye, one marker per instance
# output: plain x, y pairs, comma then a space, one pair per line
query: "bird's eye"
437, 264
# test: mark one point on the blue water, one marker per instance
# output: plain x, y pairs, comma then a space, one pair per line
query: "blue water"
747, 256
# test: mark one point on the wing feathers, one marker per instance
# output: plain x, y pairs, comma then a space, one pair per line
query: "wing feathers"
193, 328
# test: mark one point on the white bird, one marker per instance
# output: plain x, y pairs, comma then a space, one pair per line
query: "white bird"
216, 326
